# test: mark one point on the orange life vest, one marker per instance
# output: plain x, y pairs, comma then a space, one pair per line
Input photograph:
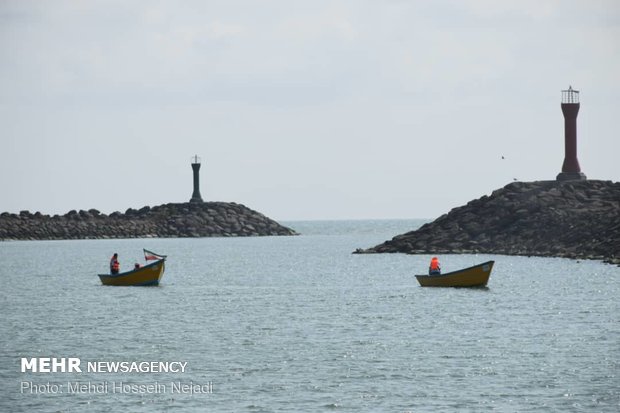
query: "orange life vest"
114, 264
434, 264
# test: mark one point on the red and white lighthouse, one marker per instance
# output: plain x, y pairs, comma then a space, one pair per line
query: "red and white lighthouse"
570, 108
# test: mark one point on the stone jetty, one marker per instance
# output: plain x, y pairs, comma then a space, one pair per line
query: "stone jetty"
208, 219
573, 219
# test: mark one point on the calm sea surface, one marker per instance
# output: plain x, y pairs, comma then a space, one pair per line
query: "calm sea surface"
300, 324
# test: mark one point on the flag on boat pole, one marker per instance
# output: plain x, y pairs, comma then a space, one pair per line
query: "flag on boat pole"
151, 256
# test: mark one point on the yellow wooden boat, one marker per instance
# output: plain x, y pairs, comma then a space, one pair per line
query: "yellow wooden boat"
149, 274
476, 276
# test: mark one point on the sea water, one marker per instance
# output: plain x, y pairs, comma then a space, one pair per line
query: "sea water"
301, 324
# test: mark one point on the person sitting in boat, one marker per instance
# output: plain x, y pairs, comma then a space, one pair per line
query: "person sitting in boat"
136, 266
115, 266
434, 268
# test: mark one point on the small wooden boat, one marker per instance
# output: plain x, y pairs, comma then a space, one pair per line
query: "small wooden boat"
476, 276
149, 274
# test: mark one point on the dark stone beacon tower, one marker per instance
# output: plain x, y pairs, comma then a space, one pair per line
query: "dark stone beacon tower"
196, 198
570, 108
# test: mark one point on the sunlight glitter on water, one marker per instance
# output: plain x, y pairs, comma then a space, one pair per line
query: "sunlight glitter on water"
301, 324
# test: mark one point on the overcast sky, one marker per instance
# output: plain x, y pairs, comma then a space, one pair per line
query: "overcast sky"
299, 109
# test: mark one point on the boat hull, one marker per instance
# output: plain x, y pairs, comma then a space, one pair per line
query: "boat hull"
150, 274
476, 276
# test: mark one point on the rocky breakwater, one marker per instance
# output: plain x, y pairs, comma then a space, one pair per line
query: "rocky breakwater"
209, 219
573, 219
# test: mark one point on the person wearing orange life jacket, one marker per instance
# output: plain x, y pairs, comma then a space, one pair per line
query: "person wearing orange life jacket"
115, 266
435, 267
